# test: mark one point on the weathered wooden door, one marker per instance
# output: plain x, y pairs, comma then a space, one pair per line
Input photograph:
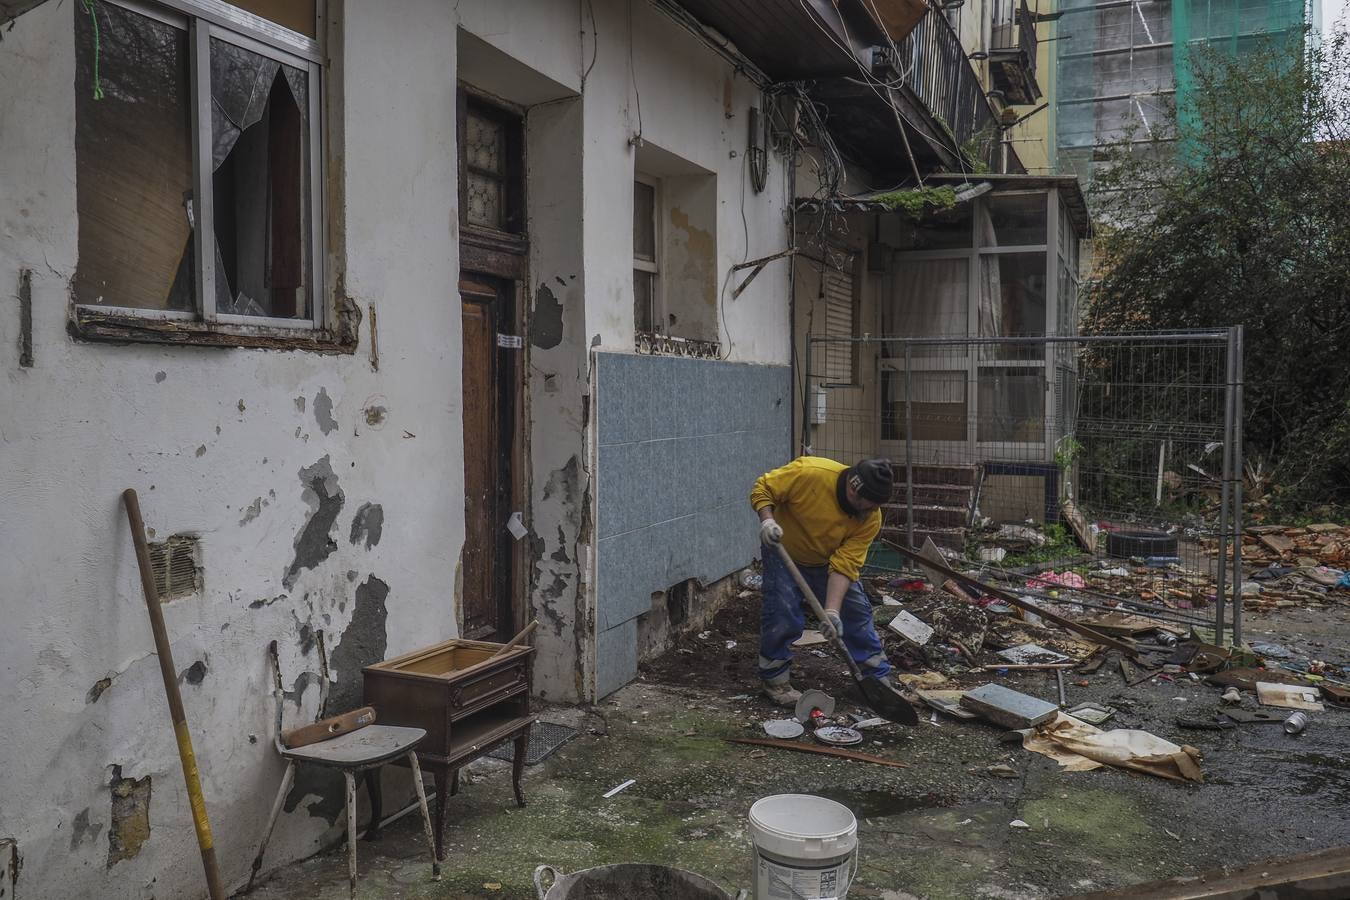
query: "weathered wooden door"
493, 248
486, 461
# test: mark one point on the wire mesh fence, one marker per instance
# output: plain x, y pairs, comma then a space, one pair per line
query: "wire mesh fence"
1098, 471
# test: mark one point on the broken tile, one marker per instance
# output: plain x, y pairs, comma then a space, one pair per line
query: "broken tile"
911, 628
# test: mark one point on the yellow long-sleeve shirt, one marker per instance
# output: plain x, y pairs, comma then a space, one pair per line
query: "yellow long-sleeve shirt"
816, 530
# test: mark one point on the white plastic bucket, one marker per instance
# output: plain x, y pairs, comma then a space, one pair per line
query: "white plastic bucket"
805, 848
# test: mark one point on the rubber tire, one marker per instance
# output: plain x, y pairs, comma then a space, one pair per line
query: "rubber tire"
1141, 543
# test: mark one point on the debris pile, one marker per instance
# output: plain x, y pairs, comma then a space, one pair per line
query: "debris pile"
1324, 544
948, 642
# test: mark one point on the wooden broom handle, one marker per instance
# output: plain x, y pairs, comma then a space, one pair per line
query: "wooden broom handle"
520, 636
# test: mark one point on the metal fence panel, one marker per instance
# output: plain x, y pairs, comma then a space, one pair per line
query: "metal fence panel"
1112, 461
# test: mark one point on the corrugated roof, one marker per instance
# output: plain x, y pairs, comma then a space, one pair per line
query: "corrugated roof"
1070, 191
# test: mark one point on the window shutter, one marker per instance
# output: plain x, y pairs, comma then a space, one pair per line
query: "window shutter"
839, 323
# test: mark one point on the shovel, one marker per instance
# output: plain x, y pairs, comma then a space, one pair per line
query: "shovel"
884, 700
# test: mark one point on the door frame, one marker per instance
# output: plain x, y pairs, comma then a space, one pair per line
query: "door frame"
503, 257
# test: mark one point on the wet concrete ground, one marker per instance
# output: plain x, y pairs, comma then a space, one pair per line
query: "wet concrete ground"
937, 830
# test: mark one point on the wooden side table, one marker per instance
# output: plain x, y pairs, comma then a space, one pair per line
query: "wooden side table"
467, 704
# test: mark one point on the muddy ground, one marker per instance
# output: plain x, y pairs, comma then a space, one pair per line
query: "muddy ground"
938, 830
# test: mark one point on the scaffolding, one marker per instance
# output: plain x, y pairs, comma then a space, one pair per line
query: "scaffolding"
1122, 64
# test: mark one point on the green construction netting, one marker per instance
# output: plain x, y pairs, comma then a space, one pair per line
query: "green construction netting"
1121, 64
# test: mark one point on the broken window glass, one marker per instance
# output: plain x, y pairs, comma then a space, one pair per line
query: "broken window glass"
260, 133
133, 161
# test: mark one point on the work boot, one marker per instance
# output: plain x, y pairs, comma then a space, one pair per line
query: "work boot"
780, 690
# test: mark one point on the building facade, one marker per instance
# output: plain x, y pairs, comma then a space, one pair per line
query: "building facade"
405, 325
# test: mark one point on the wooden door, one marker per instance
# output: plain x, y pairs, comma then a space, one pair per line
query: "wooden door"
486, 465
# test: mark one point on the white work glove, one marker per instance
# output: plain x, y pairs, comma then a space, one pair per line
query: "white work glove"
770, 532
834, 622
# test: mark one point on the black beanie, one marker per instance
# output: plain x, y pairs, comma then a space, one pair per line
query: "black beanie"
872, 479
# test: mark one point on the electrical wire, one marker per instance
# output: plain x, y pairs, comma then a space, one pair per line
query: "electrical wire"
731, 273
632, 76
873, 83
595, 42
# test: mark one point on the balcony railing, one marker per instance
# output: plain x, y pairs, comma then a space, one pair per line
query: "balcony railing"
941, 77
1012, 51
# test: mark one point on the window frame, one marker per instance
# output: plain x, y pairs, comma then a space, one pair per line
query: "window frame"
652, 266
203, 20
853, 271
512, 121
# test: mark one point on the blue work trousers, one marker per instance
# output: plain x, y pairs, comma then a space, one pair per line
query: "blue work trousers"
783, 616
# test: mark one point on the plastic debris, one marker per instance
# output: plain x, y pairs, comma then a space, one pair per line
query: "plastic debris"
614, 790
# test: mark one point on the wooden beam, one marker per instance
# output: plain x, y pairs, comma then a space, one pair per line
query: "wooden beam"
822, 751
1323, 875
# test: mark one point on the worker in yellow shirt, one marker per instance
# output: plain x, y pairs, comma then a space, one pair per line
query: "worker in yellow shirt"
826, 515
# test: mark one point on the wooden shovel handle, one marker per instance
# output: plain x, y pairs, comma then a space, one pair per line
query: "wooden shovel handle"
520, 636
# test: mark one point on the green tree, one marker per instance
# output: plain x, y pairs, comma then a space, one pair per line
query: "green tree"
1243, 218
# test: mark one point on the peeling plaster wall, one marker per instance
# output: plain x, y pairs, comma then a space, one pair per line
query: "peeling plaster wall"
558, 399
215, 442
279, 460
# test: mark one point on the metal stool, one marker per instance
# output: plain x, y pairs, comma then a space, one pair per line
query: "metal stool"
353, 743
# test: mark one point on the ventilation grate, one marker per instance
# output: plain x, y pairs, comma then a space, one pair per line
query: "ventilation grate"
545, 737
174, 564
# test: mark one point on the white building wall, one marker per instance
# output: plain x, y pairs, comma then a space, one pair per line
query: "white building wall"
226, 444
685, 91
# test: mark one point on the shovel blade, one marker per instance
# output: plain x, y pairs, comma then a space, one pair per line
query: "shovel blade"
887, 702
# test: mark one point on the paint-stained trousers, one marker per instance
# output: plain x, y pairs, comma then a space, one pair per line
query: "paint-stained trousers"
783, 616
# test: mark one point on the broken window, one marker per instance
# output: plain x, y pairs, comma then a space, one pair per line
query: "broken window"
259, 145
133, 157
143, 91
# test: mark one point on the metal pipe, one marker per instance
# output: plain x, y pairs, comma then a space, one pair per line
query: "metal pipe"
1166, 336
1239, 464
1225, 493
170, 674
909, 451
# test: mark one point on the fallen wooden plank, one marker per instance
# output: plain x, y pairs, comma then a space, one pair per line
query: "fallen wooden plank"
1287, 696
1078, 524
1093, 663
1012, 599
1323, 875
822, 751
1277, 543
